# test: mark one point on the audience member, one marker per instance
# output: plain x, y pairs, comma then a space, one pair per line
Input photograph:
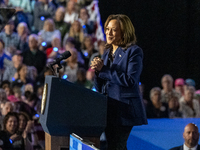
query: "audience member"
5, 60
70, 14
191, 137
22, 78
33, 56
190, 82
48, 33
10, 135
23, 32
190, 106
173, 105
43, 9
101, 50
86, 23
75, 32
179, 86
155, 108
60, 24
10, 38
167, 91
81, 79
88, 50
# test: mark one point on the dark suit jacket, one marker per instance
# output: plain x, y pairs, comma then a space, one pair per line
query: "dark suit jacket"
121, 82
181, 148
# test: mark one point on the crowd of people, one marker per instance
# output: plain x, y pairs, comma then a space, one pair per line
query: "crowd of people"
180, 101
38, 33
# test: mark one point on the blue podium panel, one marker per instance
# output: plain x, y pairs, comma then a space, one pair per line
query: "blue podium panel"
159, 134
77, 144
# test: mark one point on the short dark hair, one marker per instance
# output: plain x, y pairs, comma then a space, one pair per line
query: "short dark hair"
10, 114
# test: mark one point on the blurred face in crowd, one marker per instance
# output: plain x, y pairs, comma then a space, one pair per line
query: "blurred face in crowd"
9, 29
70, 6
48, 25
6, 108
23, 71
44, 1
76, 26
83, 14
22, 122
17, 60
60, 14
156, 97
191, 135
173, 103
21, 30
167, 84
11, 124
88, 42
113, 32
32, 43
189, 95
69, 45
179, 89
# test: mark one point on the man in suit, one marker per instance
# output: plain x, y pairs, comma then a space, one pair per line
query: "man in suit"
191, 137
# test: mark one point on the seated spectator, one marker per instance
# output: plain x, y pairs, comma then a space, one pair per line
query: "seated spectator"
43, 10
23, 11
52, 51
173, 105
100, 52
5, 60
23, 32
60, 24
86, 23
70, 15
33, 56
75, 32
27, 129
71, 66
191, 137
10, 71
29, 104
10, 136
179, 86
88, 50
190, 107
10, 38
70, 44
81, 79
48, 33
156, 108
167, 91
22, 78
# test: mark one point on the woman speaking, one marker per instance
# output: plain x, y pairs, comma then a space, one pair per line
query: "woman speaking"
117, 76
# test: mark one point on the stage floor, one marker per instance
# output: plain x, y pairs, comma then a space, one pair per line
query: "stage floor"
159, 134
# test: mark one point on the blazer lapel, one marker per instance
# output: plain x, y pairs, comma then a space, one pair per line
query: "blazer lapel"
105, 61
119, 55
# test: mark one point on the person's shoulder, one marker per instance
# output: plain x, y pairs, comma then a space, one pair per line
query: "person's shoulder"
177, 148
135, 49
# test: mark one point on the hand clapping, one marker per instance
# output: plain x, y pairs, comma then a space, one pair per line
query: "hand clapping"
97, 64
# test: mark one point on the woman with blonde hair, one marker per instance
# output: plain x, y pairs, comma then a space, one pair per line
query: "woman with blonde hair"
75, 32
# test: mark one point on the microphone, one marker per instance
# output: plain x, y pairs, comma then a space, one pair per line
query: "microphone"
64, 55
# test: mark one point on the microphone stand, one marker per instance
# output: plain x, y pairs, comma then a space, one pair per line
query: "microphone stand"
57, 69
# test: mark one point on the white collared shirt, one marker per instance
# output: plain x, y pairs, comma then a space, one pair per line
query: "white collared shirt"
187, 148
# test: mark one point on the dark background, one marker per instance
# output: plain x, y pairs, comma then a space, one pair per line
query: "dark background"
168, 31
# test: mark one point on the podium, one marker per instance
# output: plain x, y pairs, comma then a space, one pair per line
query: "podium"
68, 108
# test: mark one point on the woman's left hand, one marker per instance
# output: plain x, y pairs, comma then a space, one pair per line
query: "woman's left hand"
97, 64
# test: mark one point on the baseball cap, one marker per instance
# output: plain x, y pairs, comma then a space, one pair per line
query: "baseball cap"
179, 81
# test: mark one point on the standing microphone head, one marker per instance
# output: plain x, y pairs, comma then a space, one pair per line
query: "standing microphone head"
64, 55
